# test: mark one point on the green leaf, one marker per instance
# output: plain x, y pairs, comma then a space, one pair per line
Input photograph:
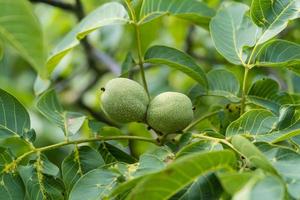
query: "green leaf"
205, 187
40, 188
185, 170
254, 122
266, 93
199, 146
79, 162
232, 30
176, 59
127, 66
252, 153
261, 188
16, 145
273, 16
11, 187
223, 83
96, 184
20, 27
286, 162
232, 182
112, 154
14, 119
49, 105
279, 53
5, 158
107, 14
192, 10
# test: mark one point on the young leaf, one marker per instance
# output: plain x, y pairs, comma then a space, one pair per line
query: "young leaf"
252, 153
14, 119
50, 107
273, 16
185, 170
79, 162
266, 93
192, 10
221, 82
232, 30
96, 184
107, 14
11, 187
254, 122
279, 53
178, 60
232, 182
20, 27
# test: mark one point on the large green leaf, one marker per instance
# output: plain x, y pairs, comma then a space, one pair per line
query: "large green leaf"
107, 14
49, 105
286, 162
261, 188
232, 182
192, 10
252, 153
21, 29
279, 53
79, 162
14, 119
266, 93
184, 171
205, 187
96, 184
232, 30
221, 82
273, 16
176, 59
11, 187
254, 122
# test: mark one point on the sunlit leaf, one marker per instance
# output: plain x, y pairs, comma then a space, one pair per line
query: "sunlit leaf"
20, 27
176, 59
107, 14
232, 182
232, 30
195, 11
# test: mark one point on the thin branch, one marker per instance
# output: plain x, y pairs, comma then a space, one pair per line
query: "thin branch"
56, 3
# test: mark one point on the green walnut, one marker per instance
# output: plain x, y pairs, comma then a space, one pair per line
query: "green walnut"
124, 100
170, 112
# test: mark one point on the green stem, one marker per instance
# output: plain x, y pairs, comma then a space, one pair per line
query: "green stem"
12, 165
243, 100
197, 121
139, 45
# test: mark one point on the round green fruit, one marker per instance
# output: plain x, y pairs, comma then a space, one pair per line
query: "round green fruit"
124, 100
170, 112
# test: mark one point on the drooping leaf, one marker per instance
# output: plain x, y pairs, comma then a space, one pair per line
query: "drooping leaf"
49, 105
178, 60
185, 170
107, 14
252, 153
265, 93
20, 27
279, 53
11, 187
48, 167
205, 187
273, 16
254, 122
79, 162
14, 119
95, 184
232, 30
221, 82
192, 10
286, 162
112, 154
